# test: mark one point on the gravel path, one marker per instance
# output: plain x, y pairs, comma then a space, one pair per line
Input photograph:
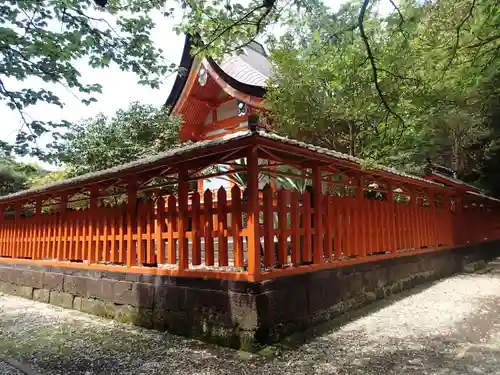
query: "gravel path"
6, 369
449, 327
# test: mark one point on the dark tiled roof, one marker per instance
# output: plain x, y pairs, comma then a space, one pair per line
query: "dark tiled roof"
250, 67
247, 72
177, 152
182, 75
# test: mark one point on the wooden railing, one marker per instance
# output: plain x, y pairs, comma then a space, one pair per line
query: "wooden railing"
207, 234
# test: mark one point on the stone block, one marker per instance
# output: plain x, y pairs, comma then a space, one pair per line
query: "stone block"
76, 285
23, 291
8, 275
159, 319
61, 299
169, 297
53, 281
33, 279
98, 307
351, 285
280, 306
6, 288
41, 295
143, 295
324, 290
134, 315
77, 303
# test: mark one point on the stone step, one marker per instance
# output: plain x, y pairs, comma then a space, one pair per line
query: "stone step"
474, 266
484, 270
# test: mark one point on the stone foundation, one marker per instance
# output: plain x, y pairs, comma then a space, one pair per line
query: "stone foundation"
238, 314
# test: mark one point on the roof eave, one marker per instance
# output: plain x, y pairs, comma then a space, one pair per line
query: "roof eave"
180, 81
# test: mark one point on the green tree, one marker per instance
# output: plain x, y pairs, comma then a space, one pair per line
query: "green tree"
434, 89
44, 39
102, 142
16, 176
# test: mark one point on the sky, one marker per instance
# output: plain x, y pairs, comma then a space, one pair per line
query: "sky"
119, 88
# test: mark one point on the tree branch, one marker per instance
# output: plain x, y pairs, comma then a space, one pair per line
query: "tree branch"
373, 64
457, 38
267, 5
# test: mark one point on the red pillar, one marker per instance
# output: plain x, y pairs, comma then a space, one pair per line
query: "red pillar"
253, 214
318, 215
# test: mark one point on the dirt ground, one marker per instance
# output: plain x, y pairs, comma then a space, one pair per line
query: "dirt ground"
448, 327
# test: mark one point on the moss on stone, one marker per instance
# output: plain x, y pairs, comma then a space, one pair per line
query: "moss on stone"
77, 303
61, 299
134, 315
41, 295
98, 307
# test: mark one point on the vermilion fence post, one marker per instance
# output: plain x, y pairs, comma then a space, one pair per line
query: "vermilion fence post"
150, 251
66, 220
78, 235
196, 230
92, 243
17, 225
3, 228
377, 222
222, 246
208, 228
160, 224
337, 226
236, 225
172, 228
140, 218
392, 226
306, 227
122, 222
183, 219
282, 227
294, 223
350, 233
61, 224
268, 227
318, 214
10, 236
131, 223
435, 219
329, 227
363, 221
105, 234
253, 213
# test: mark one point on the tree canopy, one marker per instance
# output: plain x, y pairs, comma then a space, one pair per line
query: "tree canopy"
417, 82
16, 176
102, 142
44, 39
425, 88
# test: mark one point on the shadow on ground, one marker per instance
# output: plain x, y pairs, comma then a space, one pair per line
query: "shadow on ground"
447, 327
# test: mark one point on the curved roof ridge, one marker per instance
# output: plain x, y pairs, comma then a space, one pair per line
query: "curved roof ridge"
242, 82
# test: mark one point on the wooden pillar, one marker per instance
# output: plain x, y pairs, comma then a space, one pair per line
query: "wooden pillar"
274, 177
131, 223
253, 214
448, 217
360, 222
61, 242
37, 251
183, 218
392, 220
2, 230
200, 185
318, 214
94, 224
17, 222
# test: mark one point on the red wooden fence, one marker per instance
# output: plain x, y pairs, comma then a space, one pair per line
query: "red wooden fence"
207, 234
